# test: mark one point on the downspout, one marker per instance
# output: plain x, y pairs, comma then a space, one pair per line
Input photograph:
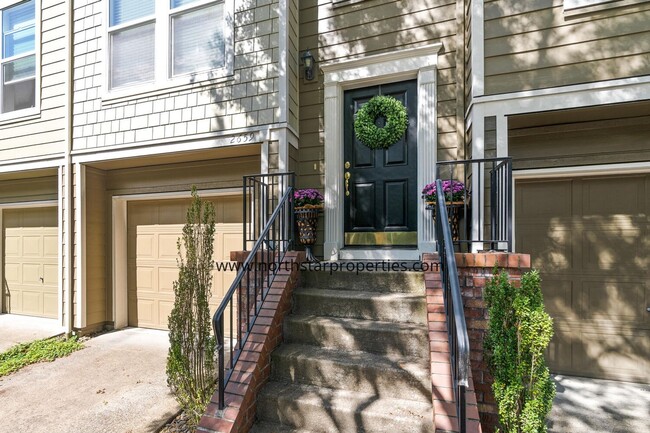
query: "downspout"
68, 181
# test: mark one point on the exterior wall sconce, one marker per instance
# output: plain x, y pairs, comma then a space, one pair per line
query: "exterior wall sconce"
308, 63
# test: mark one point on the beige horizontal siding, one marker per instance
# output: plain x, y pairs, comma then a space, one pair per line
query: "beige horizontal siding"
619, 134
43, 134
532, 45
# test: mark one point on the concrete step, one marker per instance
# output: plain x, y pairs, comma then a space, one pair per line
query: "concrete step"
398, 282
381, 375
270, 427
325, 410
389, 307
406, 339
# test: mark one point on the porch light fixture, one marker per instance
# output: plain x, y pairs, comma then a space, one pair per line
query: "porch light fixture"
308, 63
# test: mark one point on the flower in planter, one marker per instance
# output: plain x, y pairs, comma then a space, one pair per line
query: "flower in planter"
308, 197
454, 190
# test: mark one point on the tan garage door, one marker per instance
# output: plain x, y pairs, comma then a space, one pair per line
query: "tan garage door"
153, 230
590, 238
31, 262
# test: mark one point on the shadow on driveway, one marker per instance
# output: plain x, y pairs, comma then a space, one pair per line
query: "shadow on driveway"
116, 384
584, 405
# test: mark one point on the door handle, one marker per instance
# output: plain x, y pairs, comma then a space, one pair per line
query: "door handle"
42, 280
347, 183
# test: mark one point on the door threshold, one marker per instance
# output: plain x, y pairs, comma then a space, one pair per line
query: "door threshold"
392, 254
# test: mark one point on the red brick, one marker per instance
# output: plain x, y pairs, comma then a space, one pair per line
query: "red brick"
444, 422
438, 336
443, 368
216, 424
435, 308
439, 346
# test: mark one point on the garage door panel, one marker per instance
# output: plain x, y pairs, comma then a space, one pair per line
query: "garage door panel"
145, 279
558, 353
146, 312
11, 244
545, 199
166, 278
613, 196
50, 274
608, 249
51, 246
12, 273
550, 248
32, 246
614, 302
31, 273
145, 245
167, 246
560, 300
621, 355
32, 302
164, 310
50, 304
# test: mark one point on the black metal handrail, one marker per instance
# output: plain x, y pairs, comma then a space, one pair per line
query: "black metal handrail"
243, 301
487, 177
456, 325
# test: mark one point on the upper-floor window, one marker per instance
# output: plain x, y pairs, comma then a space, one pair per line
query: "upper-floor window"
18, 63
153, 41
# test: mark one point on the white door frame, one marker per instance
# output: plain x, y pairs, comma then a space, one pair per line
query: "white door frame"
420, 63
119, 259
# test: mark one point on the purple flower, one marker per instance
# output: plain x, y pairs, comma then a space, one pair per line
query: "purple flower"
454, 190
306, 196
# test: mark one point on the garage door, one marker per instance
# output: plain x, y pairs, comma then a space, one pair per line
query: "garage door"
590, 238
153, 230
31, 262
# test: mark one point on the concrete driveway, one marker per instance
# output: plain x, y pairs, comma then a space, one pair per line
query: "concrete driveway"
584, 405
16, 329
116, 384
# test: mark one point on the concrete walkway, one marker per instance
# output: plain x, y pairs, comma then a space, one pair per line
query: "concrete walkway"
16, 329
584, 405
116, 384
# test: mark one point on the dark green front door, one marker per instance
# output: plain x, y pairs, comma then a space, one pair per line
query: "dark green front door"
380, 208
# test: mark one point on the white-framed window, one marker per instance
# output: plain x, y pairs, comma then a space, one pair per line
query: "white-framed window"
159, 43
18, 60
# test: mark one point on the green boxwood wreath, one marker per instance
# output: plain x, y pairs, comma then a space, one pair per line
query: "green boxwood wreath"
396, 122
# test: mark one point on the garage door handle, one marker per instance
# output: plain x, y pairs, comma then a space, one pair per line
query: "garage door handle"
42, 280
648, 309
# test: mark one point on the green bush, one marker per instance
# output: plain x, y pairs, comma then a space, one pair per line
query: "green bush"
191, 361
519, 332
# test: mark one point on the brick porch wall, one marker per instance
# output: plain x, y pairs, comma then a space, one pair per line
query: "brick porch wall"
474, 270
254, 366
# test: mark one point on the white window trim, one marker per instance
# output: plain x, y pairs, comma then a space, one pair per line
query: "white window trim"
162, 79
579, 7
36, 109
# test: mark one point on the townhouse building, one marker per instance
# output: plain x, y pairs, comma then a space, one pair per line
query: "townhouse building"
112, 109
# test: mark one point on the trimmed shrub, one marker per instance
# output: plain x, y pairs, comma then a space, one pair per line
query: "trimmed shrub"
191, 360
519, 331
